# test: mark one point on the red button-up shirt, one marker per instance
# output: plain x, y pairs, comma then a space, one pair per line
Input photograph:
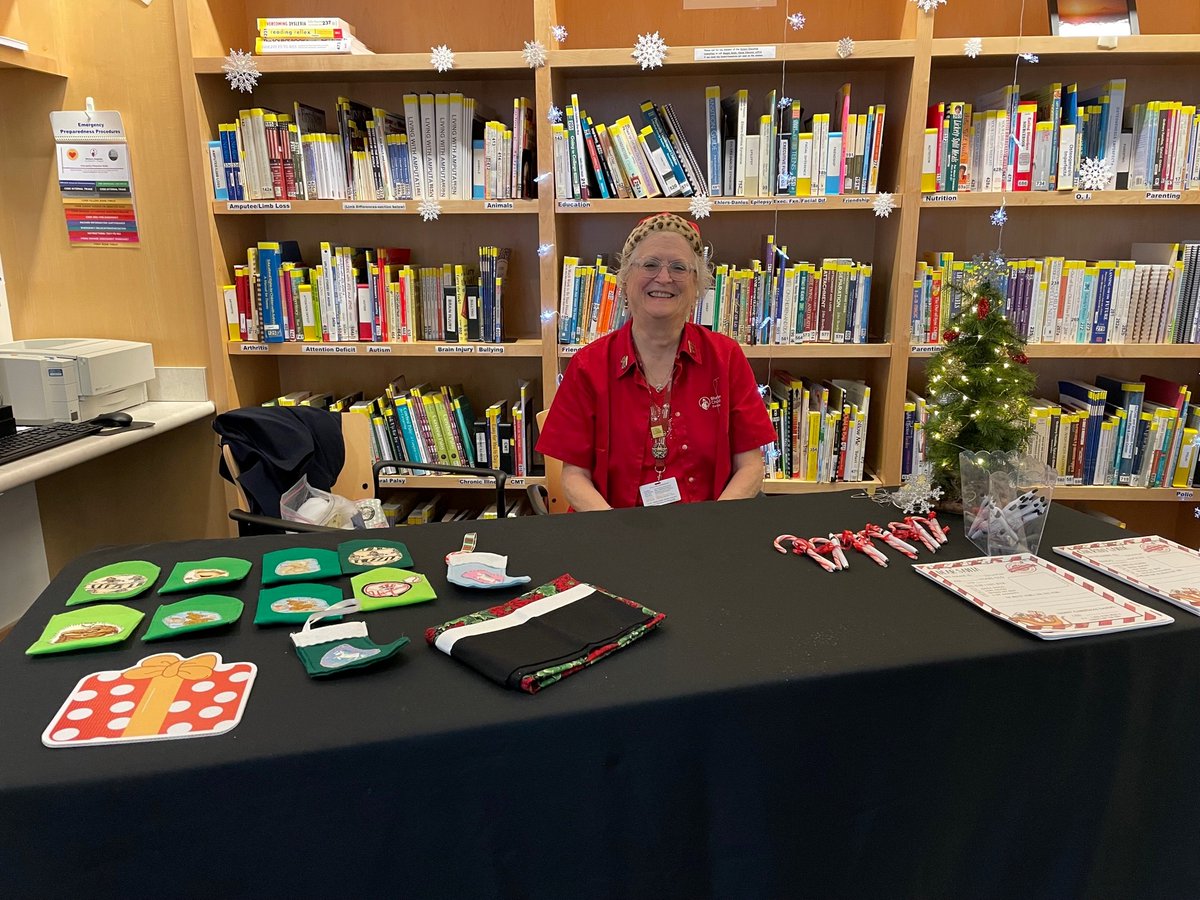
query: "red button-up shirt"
600, 418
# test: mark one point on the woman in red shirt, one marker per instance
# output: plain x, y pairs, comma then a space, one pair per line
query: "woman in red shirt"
660, 410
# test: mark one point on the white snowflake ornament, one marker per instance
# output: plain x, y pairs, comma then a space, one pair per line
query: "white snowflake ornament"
535, 54
1029, 57
999, 217
796, 20
542, 177
241, 71
558, 32
549, 315
973, 47
917, 496
442, 58
554, 114
928, 6
544, 249
650, 51
700, 207
845, 47
785, 102
430, 210
1094, 174
884, 204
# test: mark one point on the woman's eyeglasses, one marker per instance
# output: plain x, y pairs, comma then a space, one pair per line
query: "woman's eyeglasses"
651, 267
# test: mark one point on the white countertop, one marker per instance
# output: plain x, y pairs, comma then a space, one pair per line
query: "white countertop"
165, 414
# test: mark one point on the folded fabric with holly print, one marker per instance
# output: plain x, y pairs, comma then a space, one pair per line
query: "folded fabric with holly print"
545, 634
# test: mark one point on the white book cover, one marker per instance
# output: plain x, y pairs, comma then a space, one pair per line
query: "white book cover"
743, 100
562, 165
1066, 158
1070, 317
929, 157
765, 157
428, 119
804, 151
749, 178
1054, 287
454, 143
441, 118
1043, 139
820, 153
1122, 294
416, 146
466, 130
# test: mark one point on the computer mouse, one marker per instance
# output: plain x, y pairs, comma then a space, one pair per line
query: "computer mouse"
114, 420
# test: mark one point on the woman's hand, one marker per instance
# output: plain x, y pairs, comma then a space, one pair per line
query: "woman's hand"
746, 481
580, 492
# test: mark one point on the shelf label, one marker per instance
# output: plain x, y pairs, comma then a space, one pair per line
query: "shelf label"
329, 348
570, 349
939, 198
752, 201
454, 348
1163, 195
257, 206
379, 348
498, 204
517, 481
255, 348
574, 204
1083, 196
361, 206
812, 201
926, 348
850, 201
393, 480
723, 53
490, 350
1183, 495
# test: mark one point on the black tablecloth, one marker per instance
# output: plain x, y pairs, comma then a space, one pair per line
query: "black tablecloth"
785, 732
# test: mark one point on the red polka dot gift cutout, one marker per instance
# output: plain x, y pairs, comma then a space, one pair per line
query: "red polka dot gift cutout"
163, 697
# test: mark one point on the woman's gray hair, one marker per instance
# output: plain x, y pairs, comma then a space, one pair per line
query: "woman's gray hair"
669, 223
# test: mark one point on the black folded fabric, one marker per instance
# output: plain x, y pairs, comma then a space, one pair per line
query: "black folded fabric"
545, 634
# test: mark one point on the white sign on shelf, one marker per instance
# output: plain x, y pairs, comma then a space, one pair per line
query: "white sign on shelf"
725, 53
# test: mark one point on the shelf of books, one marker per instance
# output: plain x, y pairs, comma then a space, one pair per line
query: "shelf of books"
875, 117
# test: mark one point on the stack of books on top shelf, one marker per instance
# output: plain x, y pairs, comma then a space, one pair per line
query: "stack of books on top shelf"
821, 428
1150, 299
298, 34
1141, 433
443, 147
432, 424
781, 301
364, 294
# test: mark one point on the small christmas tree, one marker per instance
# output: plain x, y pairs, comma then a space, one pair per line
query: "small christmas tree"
979, 382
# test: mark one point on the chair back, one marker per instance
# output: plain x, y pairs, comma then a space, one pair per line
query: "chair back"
555, 501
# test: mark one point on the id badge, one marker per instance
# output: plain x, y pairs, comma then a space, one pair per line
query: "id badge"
660, 493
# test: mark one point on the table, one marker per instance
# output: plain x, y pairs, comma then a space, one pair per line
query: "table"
785, 732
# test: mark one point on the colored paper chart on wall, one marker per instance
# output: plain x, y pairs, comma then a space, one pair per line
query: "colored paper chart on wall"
359, 556
95, 178
385, 587
161, 698
300, 564
193, 614
294, 603
95, 626
119, 581
205, 573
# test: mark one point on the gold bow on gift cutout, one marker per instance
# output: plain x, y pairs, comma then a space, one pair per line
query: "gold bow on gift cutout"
170, 665
166, 672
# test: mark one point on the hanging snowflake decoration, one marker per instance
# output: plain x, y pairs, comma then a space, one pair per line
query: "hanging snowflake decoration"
917, 496
1029, 57
785, 102
558, 32
535, 54
772, 452
845, 47
549, 315
542, 177
442, 58
884, 204
241, 71
762, 390
1196, 512
928, 6
554, 114
1094, 174
973, 47
796, 20
650, 51
999, 217
700, 207
544, 249
430, 210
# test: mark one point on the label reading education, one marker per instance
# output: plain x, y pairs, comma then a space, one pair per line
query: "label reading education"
574, 204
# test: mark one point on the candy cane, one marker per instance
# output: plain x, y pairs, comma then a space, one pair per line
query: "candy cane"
892, 540
921, 534
936, 528
861, 542
788, 537
839, 554
822, 545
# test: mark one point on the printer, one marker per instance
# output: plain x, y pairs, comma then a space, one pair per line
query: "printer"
73, 379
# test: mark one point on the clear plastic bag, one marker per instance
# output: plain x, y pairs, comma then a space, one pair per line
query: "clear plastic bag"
304, 503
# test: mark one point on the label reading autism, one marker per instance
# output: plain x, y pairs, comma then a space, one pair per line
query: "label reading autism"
379, 348
256, 206
490, 350
940, 198
255, 348
719, 53
498, 204
454, 348
574, 204
1163, 195
1083, 196
361, 206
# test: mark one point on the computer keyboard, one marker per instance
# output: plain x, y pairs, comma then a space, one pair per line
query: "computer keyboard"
44, 437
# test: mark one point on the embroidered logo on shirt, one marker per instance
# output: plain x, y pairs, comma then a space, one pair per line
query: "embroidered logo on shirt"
713, 402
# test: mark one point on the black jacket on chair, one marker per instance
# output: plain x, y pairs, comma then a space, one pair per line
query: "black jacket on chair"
275, 445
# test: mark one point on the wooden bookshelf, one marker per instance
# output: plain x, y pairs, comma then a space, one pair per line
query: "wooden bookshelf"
526, 347
902, 57
373, 207
29, 62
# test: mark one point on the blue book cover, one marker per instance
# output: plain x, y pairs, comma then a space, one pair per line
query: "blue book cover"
476, 188
1104, 295
1087, 307
408, 432
272, 304
651, 118
1127, 396
712, 108
864, 308
220, 171
1093, 397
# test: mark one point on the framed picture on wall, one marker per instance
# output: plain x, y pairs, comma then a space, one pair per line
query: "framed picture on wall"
1089, 17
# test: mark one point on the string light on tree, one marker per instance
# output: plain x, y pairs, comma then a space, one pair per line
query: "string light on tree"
979, 382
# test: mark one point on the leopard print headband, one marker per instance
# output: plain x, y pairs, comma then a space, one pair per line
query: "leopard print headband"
660, 223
